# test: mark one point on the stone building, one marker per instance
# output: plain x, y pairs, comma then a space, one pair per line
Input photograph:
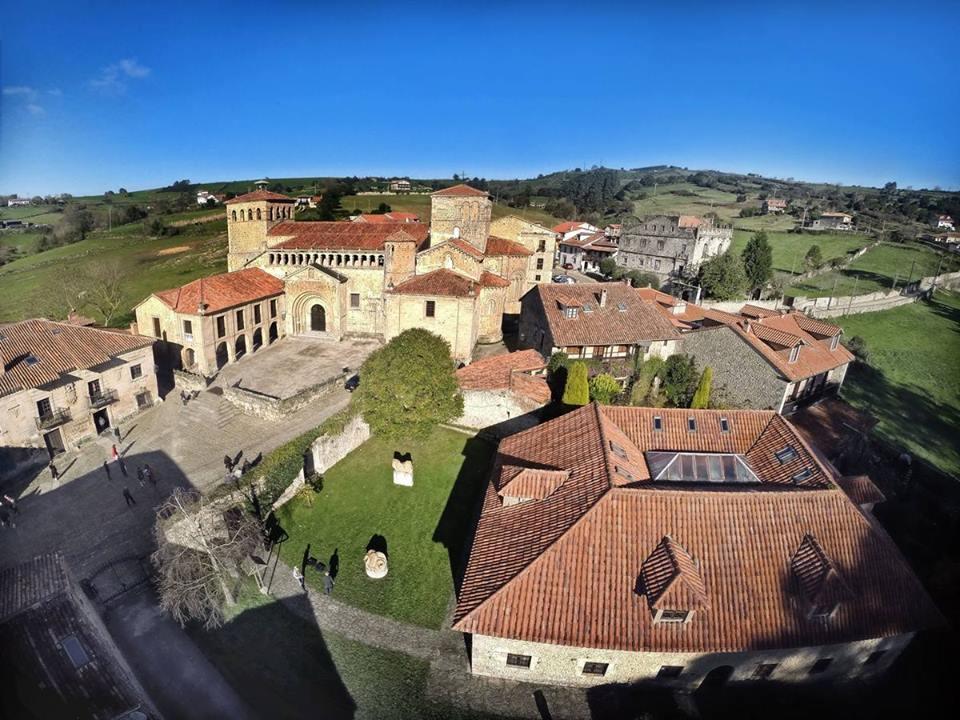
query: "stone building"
605, 321
671, 246
502, 393
369, 279
833, 221
774, 206
61, 384
585, 252
627, 544
540, 241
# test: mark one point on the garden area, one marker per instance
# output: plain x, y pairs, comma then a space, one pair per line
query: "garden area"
423, 529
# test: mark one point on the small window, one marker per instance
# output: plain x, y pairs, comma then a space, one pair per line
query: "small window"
273, 308
188, 330
834, 341
354, 300
674, 616
539, 263
794, 353
658, 423
78, 656
538, 278
221, 326
518, 660
44, 408
239, 319
587, 308
786, 454
875, 657
595, 668
802, 475
156, 327
257, 314
692, 424
31, 359
617, 450
764, 670
136, 371
820, 666
431, 309
570, 312
724, 425
668, 672
621, 307
624, 473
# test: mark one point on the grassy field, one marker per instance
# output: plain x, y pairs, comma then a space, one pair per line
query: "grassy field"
789, 248
423, 526
765, 222
673, 200
25, 242
32, 213
912, 382
420, 204
876, 270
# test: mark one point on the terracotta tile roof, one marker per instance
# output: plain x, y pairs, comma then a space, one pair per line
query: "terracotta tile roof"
59, 348
861, 489
654, 295
387, 217
818, 578
449, 283
689, 221
259, 195
497, 246
463, 246
639, 321
221, 292
489, 279
772, 336
532, 387
567, 569
460, 191
494, 372
343, 235
755, 311
533, 483
776, 202
569, 225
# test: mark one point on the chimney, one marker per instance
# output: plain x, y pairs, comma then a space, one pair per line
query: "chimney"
603, 297
746, 324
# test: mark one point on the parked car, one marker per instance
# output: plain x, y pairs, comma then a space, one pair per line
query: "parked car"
563, 279
352, 383
568, 266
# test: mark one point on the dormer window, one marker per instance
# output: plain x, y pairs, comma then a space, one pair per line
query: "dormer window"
834, 341
658, 424
570, 312
786, 454
794, 353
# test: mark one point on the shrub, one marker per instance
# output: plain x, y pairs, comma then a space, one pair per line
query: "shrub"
858, 346
604, 388
679, 379
640, 279
577, 391
701, 398
558, 360
646, 372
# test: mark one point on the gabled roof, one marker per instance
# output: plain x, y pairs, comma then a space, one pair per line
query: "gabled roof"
37, 352
508, 372
497, 246
221, 292
335, 235
570, 225
596, 241
861, 489
818, 578
689, 221
259, 195
460, 191
387, 217
532, 483
569, 568
449, 283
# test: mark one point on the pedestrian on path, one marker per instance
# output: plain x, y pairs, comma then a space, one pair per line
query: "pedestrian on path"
327, 582
54, 473
5, 519
149, 474
298, 576
140, 475
128, 497
228, 463
106, 469
123, 466
10, 503
113, 452
116, 432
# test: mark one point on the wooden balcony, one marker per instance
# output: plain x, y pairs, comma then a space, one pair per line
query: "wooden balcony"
103, 398
53, 419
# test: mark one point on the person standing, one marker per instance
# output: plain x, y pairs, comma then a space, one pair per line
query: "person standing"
327, 582
5, 518
106, 469
123, 466
149, 474
114, 454
116, 432
54, 473
10, 503
128, 497
298, 576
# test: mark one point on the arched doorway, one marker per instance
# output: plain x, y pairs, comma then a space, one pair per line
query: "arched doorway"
716, 678
189, 358
222, 356
257, 339
272, 334
318, 318
240, 347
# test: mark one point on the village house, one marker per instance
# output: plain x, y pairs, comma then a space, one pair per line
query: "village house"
613, 232
204, 197
18, 202
945, 222
774, 206
671, 246
348, 279
833, 221
679, 547
573, 229
600, 320
761, 358
585, 252
61, 384
503, 392
400, 186
540, 241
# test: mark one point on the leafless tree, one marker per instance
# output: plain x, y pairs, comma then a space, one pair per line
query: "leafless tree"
103, 289
200, 548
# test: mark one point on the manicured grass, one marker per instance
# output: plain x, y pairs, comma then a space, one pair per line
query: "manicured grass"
420, 204
424, 527
876, 270
790, 248
912, 382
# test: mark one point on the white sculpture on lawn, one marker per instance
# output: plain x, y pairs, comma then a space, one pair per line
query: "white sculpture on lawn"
375, 563
402, 472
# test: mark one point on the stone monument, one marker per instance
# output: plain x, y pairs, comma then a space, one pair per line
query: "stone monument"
375, 563
402, 472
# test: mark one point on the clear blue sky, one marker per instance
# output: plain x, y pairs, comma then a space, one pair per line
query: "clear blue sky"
100, 95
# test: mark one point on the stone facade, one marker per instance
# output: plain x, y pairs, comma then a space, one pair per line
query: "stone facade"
564, 665
81, 404
466, 217
247, 226
455, 320
541, 241
741, 377
671, 247
502, 410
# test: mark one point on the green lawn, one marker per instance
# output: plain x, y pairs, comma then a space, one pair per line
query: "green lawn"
424, 526
912, 382
420, 204
876, 270
25, 242
789, 248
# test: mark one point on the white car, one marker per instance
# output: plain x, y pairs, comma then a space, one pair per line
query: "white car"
563, 279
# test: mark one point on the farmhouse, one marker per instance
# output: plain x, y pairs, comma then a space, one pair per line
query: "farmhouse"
945, 221
399, 186
573, 229
671, 246
624, 544
833, 221
603, 321
774, 206
334, 280
586, 252
204, 197
18, 202
61, 383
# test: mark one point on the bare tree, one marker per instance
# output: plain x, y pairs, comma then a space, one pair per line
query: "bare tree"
103, 289
200, 546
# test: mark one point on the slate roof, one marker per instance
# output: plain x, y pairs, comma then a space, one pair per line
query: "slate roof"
28, 584
460, 191
639, 321
222, 292
567, 569
260, 195
337, 235
60, 348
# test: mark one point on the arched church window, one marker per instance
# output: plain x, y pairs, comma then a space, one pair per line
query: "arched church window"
233, 215
448, 261
456, 231
258, 214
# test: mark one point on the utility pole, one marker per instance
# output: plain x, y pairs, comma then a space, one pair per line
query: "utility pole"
834, 293
850, 304
911, 272
895, 278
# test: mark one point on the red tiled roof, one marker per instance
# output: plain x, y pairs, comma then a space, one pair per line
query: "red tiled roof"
776, 202
597, 241
463, 246
569, 225
688, 221
497, 246
861, 489
460, 191
438, 282
755, 311
639, 321
333, 235
494, 373
566, 569
387, 217
489, 279
223, 291
533, 483
403, 216
259, 195
532, 387
59, 347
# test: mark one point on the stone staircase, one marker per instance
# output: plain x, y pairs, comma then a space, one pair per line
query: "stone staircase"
210, 408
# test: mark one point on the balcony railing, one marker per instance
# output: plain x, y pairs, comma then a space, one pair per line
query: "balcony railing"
102, 398
53, 419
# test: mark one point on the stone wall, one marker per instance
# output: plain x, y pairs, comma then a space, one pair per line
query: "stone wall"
499, 408
468, 216
251, 402
454, 320
563, 664
189, 381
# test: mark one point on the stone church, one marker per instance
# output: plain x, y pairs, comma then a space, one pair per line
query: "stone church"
342, 279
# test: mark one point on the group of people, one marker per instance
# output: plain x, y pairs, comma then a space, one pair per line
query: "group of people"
8, 511
329, 573
236, 469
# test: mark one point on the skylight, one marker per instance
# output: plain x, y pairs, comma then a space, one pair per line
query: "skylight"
802, 475
587, 308
692, 424
624, 473
617, 450
724, 425
31, 359
622, 307
786, 455
658, 423
699, 467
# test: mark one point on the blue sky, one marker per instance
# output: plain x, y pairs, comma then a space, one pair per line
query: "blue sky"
100, 95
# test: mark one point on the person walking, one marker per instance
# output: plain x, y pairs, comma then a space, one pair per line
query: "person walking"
106, 469
128, 497
123, 466
298, 576
228, 463
54, 473
10, 503
116, 432
140, 475
327, 582
149, 474
5, 518
114, 454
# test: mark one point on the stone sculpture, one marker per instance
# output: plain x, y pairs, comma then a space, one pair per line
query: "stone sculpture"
375, 563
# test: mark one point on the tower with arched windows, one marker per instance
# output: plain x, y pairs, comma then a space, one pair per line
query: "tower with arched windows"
249, 218
460, 212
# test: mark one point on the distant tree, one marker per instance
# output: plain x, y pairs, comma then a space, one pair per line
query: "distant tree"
741, 197
679, 379
103, 288
382, 209
746, 212
132, 213
577, 390
123, 191
758, 260
701, 398
890, 187
604, 388
814, 258
639, 279
608, 266
722, 277
409, 386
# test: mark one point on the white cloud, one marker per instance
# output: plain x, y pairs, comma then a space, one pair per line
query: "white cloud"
28, 98
20, 91
56, 92
113, 78
35, 110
